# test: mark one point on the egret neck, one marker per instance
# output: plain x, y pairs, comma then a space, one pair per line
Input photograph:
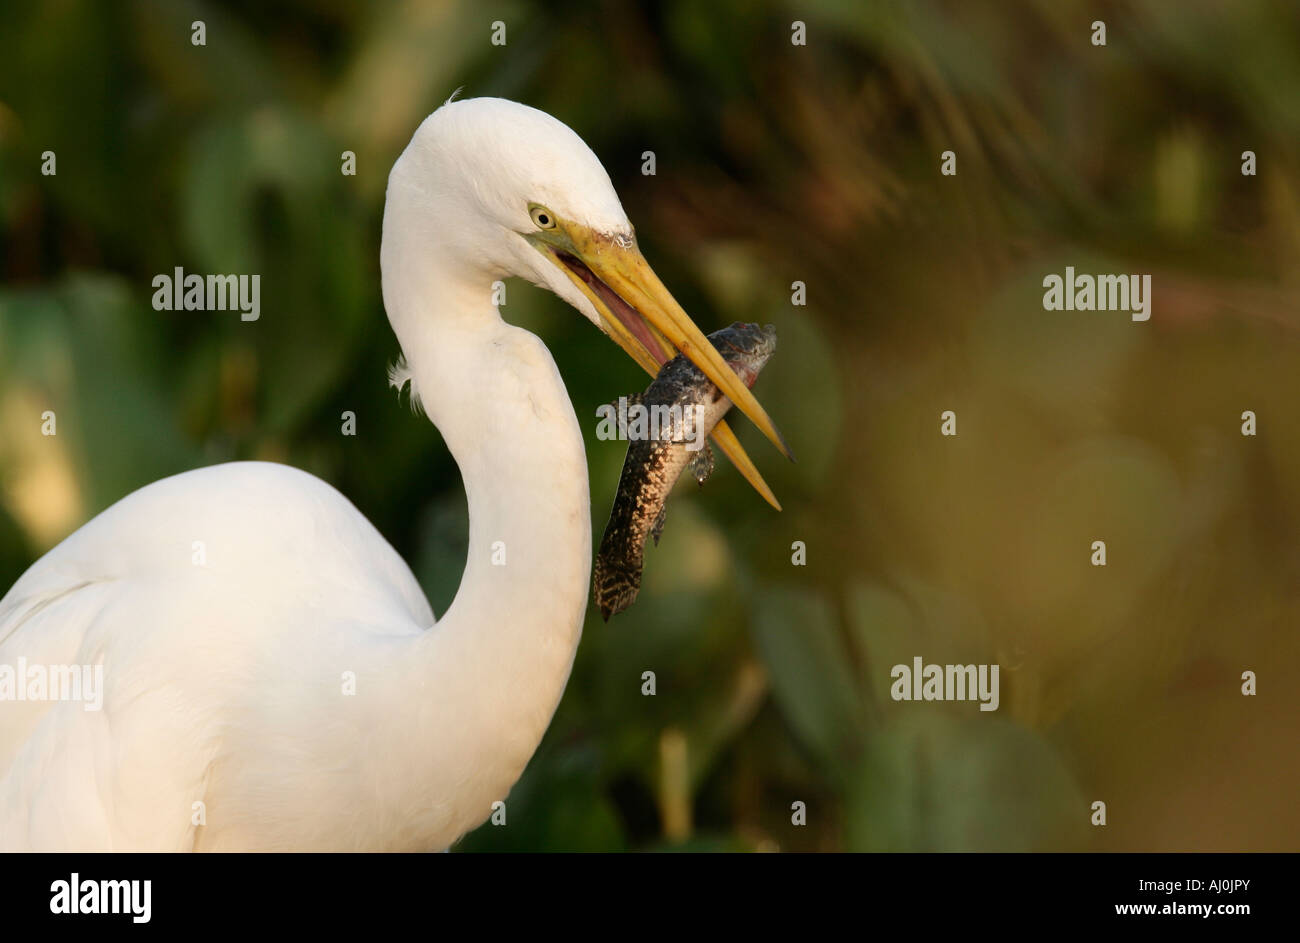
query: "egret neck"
502, 653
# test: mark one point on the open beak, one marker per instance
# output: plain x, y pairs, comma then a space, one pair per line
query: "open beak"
646, 321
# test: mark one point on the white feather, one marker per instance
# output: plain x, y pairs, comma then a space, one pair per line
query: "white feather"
226, 674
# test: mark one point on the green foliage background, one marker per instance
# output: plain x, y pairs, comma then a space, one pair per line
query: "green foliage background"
775, 163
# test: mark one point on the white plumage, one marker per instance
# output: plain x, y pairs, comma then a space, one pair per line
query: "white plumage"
226, 671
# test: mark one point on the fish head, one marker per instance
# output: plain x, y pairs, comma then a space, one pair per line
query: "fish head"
746, 348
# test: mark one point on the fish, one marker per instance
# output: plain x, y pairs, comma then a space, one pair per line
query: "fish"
689, 405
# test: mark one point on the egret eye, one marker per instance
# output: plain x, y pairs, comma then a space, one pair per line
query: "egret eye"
542, 217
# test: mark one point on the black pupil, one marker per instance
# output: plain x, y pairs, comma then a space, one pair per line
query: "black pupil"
542, 219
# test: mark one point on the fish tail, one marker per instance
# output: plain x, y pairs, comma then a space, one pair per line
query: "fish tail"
615, 585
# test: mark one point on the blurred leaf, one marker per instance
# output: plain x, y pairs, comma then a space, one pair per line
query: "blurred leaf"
561, 810
806, 660
936, 780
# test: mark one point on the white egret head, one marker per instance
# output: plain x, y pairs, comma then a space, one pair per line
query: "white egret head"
499, 188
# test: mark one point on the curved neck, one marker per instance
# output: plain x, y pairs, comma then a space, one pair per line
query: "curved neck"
495, 395
493, 668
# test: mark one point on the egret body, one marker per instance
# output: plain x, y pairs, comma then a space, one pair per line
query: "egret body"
288, 688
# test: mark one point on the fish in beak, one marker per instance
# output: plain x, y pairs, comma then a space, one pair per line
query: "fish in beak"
643, 318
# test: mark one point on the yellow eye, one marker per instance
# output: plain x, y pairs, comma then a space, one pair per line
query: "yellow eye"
542, 217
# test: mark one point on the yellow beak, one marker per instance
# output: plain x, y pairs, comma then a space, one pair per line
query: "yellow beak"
645, 320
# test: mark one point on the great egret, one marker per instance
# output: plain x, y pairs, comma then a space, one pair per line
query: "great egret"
287, 688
